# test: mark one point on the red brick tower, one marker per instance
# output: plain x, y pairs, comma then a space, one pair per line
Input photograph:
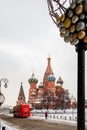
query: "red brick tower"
38, 103
49, 87
33, 90
21, 96
51, 84
48, 72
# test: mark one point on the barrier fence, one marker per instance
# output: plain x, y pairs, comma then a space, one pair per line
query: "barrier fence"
58, 114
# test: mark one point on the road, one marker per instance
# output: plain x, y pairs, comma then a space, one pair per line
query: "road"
34, 124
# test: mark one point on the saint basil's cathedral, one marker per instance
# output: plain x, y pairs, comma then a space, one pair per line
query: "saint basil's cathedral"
49, 94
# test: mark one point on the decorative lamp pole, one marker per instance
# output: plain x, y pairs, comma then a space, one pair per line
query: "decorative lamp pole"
2, 98
70, 16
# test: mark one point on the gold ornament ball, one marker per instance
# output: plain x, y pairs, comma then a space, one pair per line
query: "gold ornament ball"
85, 39
67, 23
81, 34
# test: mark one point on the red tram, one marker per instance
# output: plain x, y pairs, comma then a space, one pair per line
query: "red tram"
21, 110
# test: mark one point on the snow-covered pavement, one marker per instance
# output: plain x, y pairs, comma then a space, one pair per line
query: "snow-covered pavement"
62, 121
7, 126
55, 120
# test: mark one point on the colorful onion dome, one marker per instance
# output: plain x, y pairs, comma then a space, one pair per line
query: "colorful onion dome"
33, 79
51, 78
58, 86
59, 81
41, 85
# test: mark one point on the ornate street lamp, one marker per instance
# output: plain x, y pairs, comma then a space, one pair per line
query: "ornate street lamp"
70, 16
2, 98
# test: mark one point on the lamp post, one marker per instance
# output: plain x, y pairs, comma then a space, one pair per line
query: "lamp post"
2, 98
70, 16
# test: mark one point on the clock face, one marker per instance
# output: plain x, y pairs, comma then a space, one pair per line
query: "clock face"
2, 98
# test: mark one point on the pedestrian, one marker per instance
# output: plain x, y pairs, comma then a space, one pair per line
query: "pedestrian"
46, 115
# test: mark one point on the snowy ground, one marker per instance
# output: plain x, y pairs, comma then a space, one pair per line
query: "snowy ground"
9, 126
54, 120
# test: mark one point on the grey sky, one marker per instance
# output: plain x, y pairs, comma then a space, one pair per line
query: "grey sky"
27, 36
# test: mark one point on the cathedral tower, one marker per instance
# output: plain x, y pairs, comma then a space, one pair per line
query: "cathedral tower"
51, 84
21, 96
48, 72
33, 90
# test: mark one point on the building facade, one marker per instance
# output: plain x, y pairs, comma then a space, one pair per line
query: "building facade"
21, 96
50, 94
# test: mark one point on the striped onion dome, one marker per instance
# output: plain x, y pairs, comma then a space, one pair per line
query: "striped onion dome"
51, 77
33, 79
59, 81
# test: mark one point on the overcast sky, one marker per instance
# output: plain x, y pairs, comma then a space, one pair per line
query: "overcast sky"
27, 36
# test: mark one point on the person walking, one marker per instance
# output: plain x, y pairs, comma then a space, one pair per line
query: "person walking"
46, 115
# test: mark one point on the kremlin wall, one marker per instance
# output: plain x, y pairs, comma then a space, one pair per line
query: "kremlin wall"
50, 94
